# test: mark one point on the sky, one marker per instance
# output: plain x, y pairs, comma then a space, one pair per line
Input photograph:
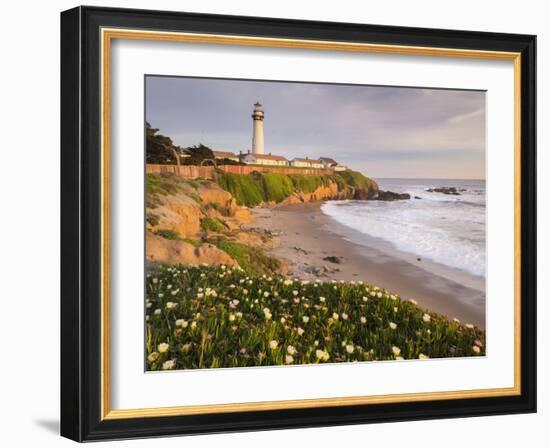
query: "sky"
381, 131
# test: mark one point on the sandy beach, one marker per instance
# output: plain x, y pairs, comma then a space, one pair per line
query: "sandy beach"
305, 236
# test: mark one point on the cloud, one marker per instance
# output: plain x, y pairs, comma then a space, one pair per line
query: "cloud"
421, 128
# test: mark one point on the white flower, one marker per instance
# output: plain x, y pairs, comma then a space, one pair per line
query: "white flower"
470, 326
349, 348
203, 275
193, 325
148, 304
393, 297
181, 323
423, 356
157, 311
393, 325
426, 317
266, 294
372, 294
283, 320
379, 295
235, 302
476, 349
245, 291
335, 316
363, 320
414, 302
291, 350
396, 350
295, 293
223, 267
155, 280
163, 347
345, 316
289, 359
161, 295
273, 345
300, 331
169, 287
168, 365
365, 299
456, 320
305, 319
399, 358
322, 355
322, 299
287, 282
200, 295
231, 317
395, 309
239, 314
171, 305
153, 357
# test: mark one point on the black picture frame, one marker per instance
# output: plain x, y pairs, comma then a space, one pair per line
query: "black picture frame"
81, 226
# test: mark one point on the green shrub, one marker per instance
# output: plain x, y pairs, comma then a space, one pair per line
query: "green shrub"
276, 187
251, 259
152, 219
212, 224
165, 184
243, 187
193, 242
168, 234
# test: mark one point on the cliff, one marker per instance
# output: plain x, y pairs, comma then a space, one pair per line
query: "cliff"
204, 221
272, 188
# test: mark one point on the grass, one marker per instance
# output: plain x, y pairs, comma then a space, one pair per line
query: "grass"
251, 259
166, 184
193, 242
212, 224
168, 234
210, 317
152, 219
253, 189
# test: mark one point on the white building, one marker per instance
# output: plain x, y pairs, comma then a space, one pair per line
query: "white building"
220, 155
328, 162
258, 129
306, 163
263, 159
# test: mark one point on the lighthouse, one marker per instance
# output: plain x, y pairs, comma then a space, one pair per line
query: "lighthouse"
258, 129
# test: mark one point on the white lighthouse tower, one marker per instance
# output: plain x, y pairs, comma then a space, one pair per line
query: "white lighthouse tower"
258, 129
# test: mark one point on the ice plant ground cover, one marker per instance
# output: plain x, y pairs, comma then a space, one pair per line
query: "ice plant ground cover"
211, 317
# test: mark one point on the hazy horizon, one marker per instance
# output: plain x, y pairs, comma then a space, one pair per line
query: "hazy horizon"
384, 132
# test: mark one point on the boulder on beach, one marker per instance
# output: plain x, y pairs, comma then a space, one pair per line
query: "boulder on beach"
392, 196
445, 190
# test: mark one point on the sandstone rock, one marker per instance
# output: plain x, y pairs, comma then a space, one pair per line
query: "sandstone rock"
445, 190
391, 196
161, 250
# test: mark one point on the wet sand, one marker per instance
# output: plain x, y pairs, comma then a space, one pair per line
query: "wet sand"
305, 236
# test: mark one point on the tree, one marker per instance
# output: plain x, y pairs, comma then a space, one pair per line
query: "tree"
197, 154
160, 148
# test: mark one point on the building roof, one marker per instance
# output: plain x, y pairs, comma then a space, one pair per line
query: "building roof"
224, 154
328, 160
301, 159
270, 157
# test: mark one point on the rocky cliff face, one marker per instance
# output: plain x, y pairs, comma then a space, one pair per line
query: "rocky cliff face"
332, 192
196, 221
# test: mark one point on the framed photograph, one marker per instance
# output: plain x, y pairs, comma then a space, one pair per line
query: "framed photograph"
272, 223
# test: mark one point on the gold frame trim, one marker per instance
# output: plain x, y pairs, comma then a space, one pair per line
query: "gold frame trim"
107, 35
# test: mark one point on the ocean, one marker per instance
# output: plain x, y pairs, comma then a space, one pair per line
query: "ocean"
445, 229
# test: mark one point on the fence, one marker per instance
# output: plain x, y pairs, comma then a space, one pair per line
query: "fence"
207, 172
